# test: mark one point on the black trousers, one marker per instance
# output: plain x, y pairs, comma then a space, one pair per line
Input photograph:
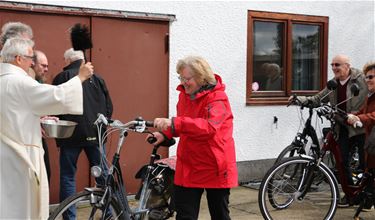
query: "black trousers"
346, 145
46, 159
187, 202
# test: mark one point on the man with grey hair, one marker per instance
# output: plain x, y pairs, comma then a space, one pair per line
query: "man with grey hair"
347, 136
72, 55
96, 100
15, 29
23, 181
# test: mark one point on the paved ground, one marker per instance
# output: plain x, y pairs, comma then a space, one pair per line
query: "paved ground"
244, 205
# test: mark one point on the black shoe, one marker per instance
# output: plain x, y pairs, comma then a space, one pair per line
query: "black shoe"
343, 203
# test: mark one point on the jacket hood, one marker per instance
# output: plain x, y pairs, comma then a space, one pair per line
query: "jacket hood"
205, 88
354, 73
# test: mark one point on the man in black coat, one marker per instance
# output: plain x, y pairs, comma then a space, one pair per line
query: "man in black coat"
96, 100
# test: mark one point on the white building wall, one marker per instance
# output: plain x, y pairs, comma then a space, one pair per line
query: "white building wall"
218, 32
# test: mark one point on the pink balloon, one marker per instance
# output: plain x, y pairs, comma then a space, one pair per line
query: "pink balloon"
255, 86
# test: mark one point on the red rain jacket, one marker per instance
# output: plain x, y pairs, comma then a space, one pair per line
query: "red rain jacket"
205, 154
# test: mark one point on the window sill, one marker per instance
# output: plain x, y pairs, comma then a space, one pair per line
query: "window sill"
267, 101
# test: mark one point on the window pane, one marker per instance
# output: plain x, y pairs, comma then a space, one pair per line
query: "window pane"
306, 57
267, 61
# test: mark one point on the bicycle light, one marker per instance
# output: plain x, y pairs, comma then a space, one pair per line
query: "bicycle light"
96, 171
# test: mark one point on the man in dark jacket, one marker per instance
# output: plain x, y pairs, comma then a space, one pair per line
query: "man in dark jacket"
96, 100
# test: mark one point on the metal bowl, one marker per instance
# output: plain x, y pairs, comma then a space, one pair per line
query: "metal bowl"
59, 129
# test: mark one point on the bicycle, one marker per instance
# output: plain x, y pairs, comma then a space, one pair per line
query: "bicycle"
295, 182
109, 201
299, 143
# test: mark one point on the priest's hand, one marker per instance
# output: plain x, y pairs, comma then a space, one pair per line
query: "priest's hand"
85, 71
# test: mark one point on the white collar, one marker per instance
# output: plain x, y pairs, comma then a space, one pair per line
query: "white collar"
342, 82
8, 68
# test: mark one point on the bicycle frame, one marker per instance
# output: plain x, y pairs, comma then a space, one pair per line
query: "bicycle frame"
300, 139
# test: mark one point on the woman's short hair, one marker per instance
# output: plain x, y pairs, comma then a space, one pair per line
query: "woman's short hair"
273, 69
73, 55
15, 47
199, 67
368, 66
14, 29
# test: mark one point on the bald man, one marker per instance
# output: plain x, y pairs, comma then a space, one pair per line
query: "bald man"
40, 66
347, 136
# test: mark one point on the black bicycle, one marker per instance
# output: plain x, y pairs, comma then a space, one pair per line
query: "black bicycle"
110, 201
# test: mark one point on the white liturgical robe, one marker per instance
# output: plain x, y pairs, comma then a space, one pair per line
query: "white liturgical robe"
24, 192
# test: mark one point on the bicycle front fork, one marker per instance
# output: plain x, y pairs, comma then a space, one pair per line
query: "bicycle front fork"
306, 180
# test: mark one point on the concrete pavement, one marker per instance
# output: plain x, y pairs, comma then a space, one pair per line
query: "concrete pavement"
244, 205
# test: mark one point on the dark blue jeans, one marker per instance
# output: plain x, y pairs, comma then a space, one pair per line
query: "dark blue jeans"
68, 167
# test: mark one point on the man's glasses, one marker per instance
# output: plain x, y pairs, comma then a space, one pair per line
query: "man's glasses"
44, 65
184, 80
370, 77
336, 64
29, 57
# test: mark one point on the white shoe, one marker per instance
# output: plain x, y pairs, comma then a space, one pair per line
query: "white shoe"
368, 209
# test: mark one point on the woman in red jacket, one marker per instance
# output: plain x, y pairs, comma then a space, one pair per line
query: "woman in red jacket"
367, 117
206, 157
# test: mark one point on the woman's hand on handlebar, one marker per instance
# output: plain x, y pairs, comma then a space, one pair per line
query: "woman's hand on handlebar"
159, 137
162, 123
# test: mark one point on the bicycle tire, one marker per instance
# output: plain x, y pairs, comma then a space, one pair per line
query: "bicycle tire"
278, 185
290, 151
86, 198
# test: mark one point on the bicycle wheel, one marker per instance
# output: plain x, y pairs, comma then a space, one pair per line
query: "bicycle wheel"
280, 189
290, 151
88, 207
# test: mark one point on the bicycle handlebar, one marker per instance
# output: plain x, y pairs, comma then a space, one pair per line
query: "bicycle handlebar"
137, 125
329, 112
166, 143
294, 100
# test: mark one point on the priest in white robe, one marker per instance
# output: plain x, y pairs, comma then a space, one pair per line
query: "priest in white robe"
24, 192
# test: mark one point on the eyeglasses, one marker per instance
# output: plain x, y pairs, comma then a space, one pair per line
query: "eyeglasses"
44, 65
30, 57
370, 77
336, 64
184, 80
